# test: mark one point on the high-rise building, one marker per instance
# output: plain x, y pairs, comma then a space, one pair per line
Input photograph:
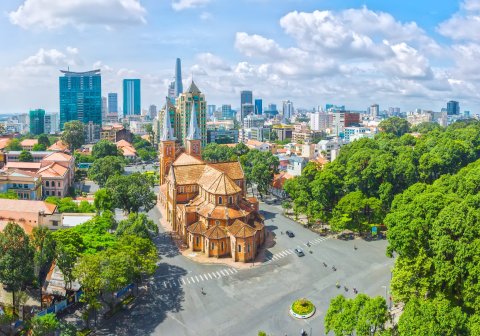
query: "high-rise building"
394, 111
52, 123
37, 121
178, 78
211, 111
271, 110
319, 121
287, 109
245, 99
81, 99
171, 91
334, 108
453, 108
112, 103
258, 107
227, 112
152, 112
374, 110
131, 97
104, 108
184, 102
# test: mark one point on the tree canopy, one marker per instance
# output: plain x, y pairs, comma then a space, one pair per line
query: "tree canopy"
381, 168
395, 125
106, 167
105, 148
73, 134
131, 192
25, 156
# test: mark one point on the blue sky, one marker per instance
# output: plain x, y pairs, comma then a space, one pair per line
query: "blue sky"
411, 54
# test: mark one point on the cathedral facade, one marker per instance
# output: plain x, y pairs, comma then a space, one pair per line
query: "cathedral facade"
206, 203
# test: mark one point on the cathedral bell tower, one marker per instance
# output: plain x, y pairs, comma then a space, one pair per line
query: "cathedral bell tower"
167, 145
194, 137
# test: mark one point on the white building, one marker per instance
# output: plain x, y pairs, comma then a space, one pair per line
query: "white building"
357, 132
296, 165
287, 110
52, 123
319, 121
329, 148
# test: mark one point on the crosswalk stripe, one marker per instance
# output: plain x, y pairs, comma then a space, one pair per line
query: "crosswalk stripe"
234, 270
197, 278
202, 277
193, 280
183, 281
219, 275
210, 276
289, 251
221, 271
231, 272
188, 281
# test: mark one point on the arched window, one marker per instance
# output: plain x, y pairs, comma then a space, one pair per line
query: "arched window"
220, 200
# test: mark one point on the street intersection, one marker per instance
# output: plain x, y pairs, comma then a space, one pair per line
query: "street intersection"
186, 298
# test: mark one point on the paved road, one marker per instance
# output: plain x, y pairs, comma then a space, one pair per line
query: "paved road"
245, 301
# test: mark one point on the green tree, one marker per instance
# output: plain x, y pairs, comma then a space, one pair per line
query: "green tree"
103, 200
286, 205
363, 316
44, 140
432, 317
14, 145
16, 259
39, 147
259, 168
395, 125
138, 225
9, 195
43, 325
214, 152
131, 192
426, 127
65, 204
105, 148
106, 167
151, 133
44, 247
68, 247
25, 156
73, 134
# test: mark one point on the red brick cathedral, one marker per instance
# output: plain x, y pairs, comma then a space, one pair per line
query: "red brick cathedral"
206, 203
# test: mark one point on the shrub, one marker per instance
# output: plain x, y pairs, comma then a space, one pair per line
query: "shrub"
302, 307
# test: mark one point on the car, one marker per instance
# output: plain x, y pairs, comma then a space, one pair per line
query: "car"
290, 233
299, 252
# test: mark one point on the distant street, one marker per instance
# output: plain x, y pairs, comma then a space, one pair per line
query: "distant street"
242, 302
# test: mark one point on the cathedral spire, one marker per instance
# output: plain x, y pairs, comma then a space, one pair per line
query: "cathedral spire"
193, 129
167, 132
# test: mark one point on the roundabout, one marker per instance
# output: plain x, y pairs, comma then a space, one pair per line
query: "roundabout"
302, 309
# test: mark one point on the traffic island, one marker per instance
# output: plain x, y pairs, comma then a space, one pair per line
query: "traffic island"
302, 309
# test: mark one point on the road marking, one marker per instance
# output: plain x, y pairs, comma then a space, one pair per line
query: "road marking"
202, 277
197, 278
193, 280
209, 275
188, 281
221, 271
289, 251
275, 257
231, 272
219, 275
183, 281
164, 284
234, 270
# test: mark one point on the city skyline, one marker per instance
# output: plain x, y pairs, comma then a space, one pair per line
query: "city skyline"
411, 55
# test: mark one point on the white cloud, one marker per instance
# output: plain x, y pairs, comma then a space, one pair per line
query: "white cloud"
179, 5
212, 61
407, 62
352, 33
463, 25
52, 57
53, 14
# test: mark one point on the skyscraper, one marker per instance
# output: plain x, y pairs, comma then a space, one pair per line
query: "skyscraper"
52, 123
152, 112
37, 121
81, 99
171, 91
374, 110
178, 78
227, 112
453, 108
258, 106
104, 108
183, 109
287, 110
112, 103
131, 97
245, 98
211, 110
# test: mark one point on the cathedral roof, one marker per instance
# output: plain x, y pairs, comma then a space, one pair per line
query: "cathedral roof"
184, 160
240, 229
217, 182
216, 232
197, 227
167, 132
193, 129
